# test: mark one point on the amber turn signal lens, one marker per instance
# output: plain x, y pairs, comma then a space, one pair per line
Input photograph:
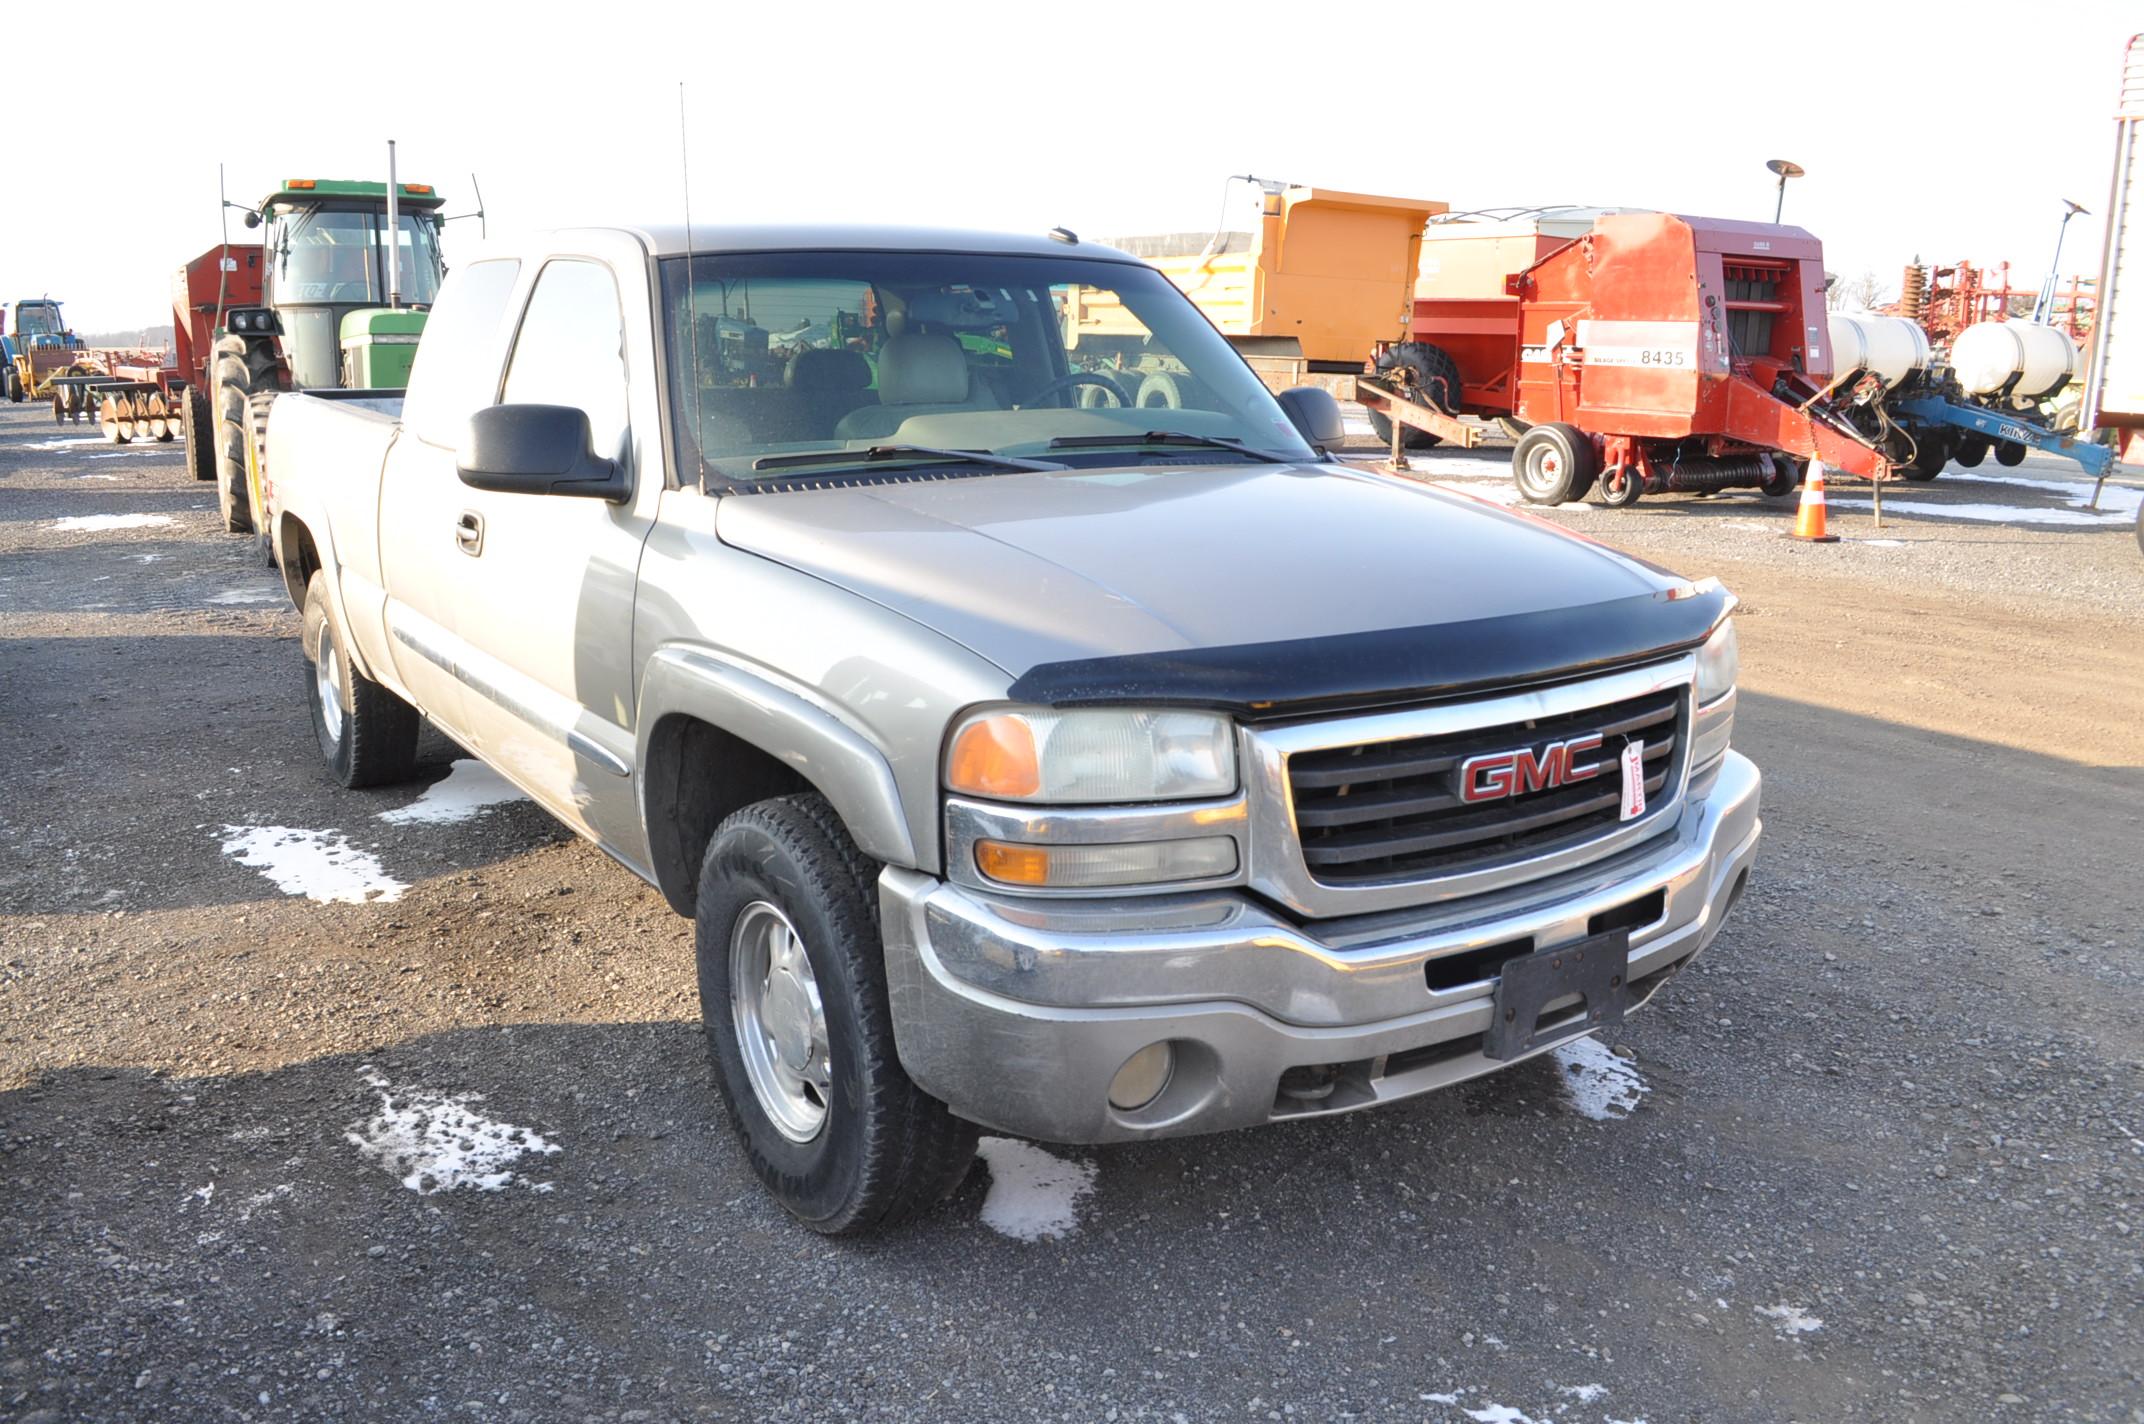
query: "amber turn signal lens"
994, 756
1013, 864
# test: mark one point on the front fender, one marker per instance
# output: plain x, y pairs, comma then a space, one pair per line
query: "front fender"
844, 765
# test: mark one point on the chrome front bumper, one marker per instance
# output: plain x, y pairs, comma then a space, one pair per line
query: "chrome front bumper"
1018, 1013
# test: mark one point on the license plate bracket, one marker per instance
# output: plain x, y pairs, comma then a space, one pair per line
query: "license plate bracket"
1597, 968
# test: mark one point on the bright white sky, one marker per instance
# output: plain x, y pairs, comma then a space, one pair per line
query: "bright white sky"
1945, 131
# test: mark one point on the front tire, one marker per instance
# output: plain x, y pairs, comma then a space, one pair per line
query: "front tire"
240, 367
367, 735
793, 997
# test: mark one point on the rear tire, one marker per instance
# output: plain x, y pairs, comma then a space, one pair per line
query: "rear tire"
1553, 464
256, 482
240, 368
13, 382
1435, 378
367, 735
829, 1120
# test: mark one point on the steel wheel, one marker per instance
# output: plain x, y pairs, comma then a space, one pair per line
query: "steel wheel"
780, 1022
327, 685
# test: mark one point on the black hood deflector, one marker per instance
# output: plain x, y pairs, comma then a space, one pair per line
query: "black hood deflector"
1260, 681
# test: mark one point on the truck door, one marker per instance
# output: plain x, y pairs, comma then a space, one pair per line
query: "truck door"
421, 496
544, 602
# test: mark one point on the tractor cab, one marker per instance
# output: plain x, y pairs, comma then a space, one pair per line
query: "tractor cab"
326, 279
38, 324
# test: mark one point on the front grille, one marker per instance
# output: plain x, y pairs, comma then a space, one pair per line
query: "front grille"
1391, 810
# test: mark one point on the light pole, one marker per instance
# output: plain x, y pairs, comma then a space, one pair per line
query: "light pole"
2043, 310
1785, 170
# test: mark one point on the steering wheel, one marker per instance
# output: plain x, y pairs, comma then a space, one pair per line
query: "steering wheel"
1079, 378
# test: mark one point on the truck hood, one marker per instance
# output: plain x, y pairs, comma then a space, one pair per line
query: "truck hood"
1235, 585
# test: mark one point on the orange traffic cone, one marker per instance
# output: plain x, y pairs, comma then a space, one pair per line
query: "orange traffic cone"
1809, 519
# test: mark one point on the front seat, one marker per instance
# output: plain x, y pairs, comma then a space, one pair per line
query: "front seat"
919, 373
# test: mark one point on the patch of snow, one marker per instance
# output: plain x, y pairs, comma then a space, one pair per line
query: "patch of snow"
268, 1198
2120, 499
1442, 1398
94, 476
1598, 1084
1499, 1414
437, 1142
1880, 543
1790, 1320
62, 444
1033, 1195
246, 595
115, 521
470, 788
145, 558
207, 1194
1584, 1393
320, 865
1993, 513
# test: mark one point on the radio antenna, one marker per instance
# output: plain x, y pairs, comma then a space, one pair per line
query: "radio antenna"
692, 315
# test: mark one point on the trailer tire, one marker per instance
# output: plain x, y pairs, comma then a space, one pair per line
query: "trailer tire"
1620, 486
2008, 453
1972, 451
194, 426
786, 928
1553, 464
1786, 478
239, 368
1929, 458
367, 735
1434, 373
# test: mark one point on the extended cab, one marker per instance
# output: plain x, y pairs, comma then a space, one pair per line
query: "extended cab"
1030, 757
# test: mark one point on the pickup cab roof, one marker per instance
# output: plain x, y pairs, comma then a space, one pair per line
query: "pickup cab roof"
668, 240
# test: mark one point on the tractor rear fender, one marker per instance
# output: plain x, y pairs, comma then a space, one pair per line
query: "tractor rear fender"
1762, 419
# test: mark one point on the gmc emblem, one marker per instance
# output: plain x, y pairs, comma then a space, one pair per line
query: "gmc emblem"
1492, 776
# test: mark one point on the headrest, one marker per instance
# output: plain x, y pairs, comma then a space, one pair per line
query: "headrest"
833, 369
922, 368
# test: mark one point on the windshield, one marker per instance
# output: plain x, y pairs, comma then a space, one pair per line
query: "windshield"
334, 255
37, 319
834, 352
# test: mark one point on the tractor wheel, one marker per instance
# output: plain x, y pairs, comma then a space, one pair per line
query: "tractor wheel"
1553, 464
256, 484
2008, 453
1971, 451
1159, 391
241, 367
13, 382
1433, 374
194, 424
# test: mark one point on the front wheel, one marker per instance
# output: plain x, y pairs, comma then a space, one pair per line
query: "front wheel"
1553, 464
793, 997
367, 735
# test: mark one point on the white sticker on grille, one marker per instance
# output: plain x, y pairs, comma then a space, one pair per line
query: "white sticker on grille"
1633, 779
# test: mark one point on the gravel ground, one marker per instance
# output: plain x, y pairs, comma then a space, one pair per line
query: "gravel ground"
1877, 1156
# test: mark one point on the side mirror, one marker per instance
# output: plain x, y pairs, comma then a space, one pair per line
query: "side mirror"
1316, 415
536, 449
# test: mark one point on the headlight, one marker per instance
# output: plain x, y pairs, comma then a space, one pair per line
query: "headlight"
1717, 663
1102, 755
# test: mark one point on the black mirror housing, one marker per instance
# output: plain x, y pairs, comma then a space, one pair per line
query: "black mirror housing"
1315, 414
536, 449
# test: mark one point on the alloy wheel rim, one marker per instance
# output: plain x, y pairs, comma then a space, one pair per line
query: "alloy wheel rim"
780, 1022
327, 681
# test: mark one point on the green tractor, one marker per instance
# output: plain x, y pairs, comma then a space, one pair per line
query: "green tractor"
342, 306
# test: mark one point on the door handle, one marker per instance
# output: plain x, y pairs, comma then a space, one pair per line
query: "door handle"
469, 532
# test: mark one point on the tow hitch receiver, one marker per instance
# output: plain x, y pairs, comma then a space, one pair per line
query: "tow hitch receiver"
1596, 969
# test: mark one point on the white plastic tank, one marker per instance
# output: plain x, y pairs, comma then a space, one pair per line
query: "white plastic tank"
1986, 355
1889, 347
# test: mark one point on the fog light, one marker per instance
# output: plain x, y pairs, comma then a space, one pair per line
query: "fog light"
1142, 1077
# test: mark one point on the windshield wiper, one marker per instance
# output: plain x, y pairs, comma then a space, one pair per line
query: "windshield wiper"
878, 453
1166, 437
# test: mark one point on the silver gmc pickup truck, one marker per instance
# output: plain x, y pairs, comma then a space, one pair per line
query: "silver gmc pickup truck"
1036, 744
